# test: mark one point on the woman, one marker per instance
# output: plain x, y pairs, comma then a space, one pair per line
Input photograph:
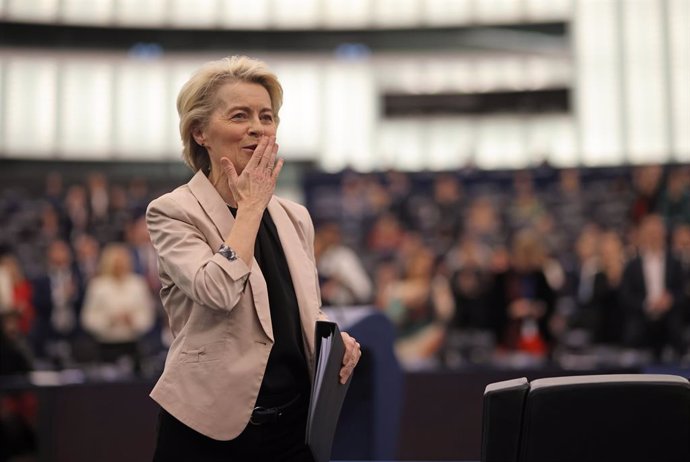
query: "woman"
607, 312
118, 307
238, 278
17, 295
420, 304
522, 299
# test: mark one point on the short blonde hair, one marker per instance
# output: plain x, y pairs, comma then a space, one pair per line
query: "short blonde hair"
111, 252
197, 99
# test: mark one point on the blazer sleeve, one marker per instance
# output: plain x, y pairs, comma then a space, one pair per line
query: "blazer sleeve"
205, 276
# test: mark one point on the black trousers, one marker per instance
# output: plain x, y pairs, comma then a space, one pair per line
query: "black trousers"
282, 441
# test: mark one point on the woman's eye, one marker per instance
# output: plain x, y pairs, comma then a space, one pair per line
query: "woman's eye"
239, 115
267, 117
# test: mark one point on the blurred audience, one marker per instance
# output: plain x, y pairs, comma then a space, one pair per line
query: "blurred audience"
520, 260
17, 407
58, 295
571, 206
469, 263
439, 215
87, 252
599, 310
681, 250
522, 299
647, 186
674, 201
16, 293
343, 279
525, 207
582, 276
483, 222
651, 292
76, 211
385, 237
118, 307
419, 302
144, 259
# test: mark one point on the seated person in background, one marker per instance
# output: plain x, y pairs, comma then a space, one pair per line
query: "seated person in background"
344, 281
118, 307
522, 300
650, 292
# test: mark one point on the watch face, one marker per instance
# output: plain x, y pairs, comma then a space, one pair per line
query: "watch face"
227, 252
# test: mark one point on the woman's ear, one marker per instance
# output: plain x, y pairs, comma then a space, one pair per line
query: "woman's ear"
199, 137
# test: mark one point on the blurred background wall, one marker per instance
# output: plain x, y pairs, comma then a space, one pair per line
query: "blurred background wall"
367, 83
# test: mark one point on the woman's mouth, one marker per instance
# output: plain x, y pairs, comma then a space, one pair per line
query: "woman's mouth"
249, 148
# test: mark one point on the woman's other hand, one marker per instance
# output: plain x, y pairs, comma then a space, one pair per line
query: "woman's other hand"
254, 187
350, 358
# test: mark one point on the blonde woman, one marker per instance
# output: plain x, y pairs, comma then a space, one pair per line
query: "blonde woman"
118, 306
238, 280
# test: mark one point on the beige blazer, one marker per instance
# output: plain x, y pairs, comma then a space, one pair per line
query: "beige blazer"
218, 310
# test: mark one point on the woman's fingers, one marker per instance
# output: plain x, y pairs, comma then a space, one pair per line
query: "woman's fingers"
351, 357
255, 185
278, 168
266, 153
229, 170
271, 156
258, 153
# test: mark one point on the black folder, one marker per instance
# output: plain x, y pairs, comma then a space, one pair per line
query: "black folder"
327, 393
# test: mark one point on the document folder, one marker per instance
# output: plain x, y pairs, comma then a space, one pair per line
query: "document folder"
327, 393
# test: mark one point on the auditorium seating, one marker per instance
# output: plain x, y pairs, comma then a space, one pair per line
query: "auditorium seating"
632, 417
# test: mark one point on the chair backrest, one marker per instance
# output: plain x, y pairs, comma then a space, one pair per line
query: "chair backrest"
637, 417
503, 407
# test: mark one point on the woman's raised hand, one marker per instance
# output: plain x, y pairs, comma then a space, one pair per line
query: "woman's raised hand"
254, 187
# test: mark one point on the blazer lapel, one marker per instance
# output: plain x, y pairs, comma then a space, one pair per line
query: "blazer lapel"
214, 205
217, 210
301, 272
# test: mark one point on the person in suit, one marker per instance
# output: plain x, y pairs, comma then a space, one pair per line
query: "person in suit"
57, 297
651, 292
238, 280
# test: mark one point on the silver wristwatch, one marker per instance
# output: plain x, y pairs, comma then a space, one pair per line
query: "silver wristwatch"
227, 252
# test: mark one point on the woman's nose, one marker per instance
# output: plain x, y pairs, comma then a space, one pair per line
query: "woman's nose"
255, 128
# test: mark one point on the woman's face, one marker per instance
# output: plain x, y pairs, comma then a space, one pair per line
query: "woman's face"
611, 248
121, 264
243, 114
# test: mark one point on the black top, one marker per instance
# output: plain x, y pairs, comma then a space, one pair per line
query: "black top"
286, 373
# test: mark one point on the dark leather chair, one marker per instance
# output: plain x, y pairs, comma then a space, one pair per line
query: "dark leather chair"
636, 417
